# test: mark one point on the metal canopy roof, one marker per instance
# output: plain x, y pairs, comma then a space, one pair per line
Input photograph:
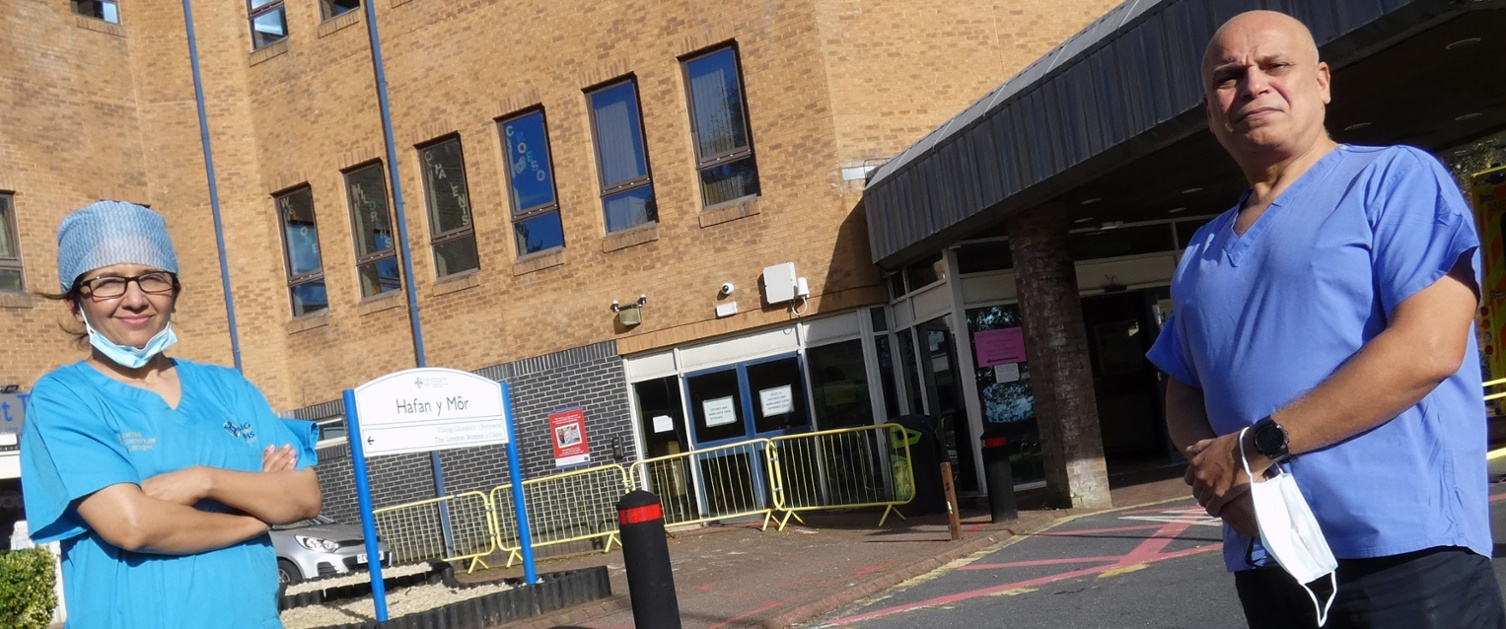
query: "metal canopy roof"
1124, 95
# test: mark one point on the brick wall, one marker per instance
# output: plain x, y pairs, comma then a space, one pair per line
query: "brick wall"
1060, 375
111, 114
589, 377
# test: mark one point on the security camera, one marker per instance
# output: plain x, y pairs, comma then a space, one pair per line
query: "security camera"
727, 288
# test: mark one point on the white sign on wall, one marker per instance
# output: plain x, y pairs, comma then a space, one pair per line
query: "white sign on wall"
776, 401
719, 411
663, 423
422, 410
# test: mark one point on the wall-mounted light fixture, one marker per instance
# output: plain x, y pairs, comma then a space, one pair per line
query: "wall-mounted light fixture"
631, 314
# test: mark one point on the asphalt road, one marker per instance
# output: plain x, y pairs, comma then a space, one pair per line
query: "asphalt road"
1156, 566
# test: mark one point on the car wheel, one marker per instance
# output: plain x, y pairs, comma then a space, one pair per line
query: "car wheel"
287, 572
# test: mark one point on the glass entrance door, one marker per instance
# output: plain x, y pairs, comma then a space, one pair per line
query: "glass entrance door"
737, 403
1121, 328
943, 399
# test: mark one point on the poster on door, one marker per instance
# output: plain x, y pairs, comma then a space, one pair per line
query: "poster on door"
569, 429
1000, 347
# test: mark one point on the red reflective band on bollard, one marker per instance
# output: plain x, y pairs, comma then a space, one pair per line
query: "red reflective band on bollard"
995, 442
635, 515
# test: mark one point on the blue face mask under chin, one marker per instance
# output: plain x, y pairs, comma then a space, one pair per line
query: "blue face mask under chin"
127, 356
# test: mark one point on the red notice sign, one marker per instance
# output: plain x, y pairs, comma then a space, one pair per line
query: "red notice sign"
1000, 347
569, 430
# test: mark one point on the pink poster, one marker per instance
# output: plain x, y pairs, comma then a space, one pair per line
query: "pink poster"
999, 347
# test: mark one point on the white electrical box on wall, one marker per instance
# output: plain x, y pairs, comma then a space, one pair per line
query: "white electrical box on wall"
779, 283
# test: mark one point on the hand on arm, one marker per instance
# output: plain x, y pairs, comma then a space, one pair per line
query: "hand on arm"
127, 517
1187, 422
278, 494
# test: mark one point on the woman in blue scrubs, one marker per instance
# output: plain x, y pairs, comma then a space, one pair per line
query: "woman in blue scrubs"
159, 476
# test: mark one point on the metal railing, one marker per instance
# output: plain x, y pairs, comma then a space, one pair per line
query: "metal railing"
575, 506
831, 469
414, 531
842, 469
721, 483
1494, 383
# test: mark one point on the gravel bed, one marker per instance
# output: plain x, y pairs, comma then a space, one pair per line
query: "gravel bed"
356, 577
399, 602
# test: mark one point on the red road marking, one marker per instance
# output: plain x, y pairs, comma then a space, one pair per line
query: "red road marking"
1039, 562
734, 619
1116, 529
1498, 497
1163, 509
1148, 551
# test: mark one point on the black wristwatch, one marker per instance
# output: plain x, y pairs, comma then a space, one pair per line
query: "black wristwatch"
1271, 440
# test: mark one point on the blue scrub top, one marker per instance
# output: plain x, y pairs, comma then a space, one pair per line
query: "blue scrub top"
86, 431
1260, 319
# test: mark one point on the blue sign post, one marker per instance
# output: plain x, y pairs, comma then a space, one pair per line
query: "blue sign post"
427, 410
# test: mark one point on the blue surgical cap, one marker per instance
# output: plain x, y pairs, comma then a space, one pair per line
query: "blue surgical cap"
112, 232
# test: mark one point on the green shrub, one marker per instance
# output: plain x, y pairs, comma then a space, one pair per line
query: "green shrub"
26, 597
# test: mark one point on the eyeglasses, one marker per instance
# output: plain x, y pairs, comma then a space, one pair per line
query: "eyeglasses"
114, 286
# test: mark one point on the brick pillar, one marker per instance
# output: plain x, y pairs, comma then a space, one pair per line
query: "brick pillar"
1057, 346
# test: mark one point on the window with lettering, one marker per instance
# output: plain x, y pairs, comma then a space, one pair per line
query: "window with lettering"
269, 22
300, 247
530, 175
627, 190
719, 127
452, 236
371, 224
10, 250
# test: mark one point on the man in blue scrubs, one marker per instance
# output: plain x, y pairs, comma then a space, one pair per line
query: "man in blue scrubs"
1331, 312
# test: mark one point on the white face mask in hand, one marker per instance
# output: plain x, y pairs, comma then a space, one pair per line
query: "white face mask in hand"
1290, 533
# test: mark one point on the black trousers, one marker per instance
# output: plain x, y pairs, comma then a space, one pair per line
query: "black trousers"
1437, 588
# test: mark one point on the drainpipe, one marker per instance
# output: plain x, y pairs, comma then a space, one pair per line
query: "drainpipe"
402, 226
214, 191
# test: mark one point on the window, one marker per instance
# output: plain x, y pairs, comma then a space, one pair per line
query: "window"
993, 255
269, 22
453, 236
926, 272
535, 208
376, 259
332, 8
719, 128
627, 190
10, 251
300, 246
1123, 241
107, 10
839, 385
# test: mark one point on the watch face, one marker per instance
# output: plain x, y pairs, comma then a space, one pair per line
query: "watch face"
1270, 439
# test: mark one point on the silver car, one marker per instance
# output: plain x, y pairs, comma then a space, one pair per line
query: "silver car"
319, 547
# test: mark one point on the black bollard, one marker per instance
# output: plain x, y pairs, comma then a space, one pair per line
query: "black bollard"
999, 479
645, 554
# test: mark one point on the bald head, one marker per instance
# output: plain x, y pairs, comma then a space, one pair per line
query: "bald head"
1241, 26
1266, 89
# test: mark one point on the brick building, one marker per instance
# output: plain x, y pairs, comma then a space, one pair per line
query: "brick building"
553, 160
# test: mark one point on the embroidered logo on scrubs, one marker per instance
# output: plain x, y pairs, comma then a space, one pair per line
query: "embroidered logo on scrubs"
242, 430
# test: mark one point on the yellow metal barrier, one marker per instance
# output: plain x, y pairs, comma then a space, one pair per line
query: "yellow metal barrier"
574, 506
415, 532
832, 469
1494, 383
735, 481
841, 469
